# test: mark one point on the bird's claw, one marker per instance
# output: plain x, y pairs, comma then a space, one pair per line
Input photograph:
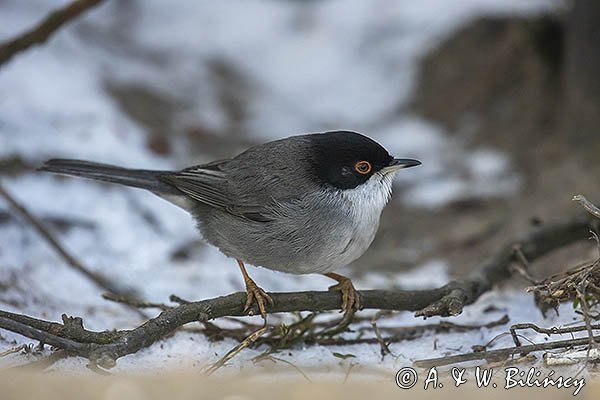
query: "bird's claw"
350, 297
255, 293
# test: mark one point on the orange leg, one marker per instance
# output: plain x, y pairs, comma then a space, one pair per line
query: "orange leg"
350, 297
254, 293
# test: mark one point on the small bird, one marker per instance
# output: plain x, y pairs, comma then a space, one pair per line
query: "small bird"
303, 205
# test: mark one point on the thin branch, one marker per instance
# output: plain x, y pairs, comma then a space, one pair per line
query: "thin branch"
132, 302
384, 349
99, 280
254, 336
570, 357
500, 353
522, 266
548, 331
496, 269
589, 206
14, 350
269, 357
40, 33
400, 334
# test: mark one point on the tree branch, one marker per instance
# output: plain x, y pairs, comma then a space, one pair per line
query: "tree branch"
532, 246
98, 279
104, 348
40, 33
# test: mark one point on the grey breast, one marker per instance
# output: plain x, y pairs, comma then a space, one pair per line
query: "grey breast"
306, 236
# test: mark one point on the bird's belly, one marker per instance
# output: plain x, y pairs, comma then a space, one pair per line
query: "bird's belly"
339, 245
337, 257
351, 248
316, 244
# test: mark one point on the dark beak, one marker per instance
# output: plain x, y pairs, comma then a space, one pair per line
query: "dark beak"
404, 163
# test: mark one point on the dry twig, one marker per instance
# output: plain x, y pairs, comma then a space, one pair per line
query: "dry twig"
404, 333
548, 331
99, 280
40, 33
136, 303
15, 350
237, 349
384, 348
496, 269
587, 205
498, 354
567, 286
481, 352
572, 356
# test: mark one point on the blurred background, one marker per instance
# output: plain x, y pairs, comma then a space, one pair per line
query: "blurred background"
499, 99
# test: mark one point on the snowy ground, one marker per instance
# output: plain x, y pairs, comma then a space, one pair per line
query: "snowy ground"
315, 66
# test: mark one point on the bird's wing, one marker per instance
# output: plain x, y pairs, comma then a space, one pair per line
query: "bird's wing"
208, 184
203, 183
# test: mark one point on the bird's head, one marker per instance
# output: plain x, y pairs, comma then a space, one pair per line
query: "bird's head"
348, 160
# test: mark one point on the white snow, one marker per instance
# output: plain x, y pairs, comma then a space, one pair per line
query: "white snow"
311, 66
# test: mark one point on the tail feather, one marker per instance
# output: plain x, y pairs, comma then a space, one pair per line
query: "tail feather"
139, 178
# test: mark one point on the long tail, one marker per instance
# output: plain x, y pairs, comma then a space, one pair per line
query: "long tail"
139, 178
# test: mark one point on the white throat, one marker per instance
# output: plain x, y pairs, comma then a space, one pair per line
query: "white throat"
366, 203
369, 198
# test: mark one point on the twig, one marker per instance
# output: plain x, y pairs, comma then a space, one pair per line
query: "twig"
442, 326
178, 300
347, 375
582, 295
589, 207
500, 353
409, 333
548, 331
266, 356
40, 33
496, 269
98, 279
237, 349
134, 302
565, 286
59, 223
14, 350
522, 267
569, 357
384, 349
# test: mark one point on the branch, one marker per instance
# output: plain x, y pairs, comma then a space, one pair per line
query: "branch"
587, 205
104, 348
40, 33
496, 269
99, 280
494, 355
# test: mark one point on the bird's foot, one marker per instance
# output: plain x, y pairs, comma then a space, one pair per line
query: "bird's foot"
350, 296
255, 293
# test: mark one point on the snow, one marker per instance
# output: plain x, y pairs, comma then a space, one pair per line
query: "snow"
310, 66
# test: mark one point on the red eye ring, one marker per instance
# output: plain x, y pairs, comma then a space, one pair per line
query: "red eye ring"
363, 167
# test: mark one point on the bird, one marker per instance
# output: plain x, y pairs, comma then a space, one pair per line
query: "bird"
305, 204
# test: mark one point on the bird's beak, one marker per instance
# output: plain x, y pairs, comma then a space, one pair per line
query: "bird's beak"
399, 163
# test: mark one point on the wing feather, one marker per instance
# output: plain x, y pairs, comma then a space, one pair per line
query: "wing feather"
208, 185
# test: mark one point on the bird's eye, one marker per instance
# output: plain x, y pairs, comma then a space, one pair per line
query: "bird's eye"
363, 167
